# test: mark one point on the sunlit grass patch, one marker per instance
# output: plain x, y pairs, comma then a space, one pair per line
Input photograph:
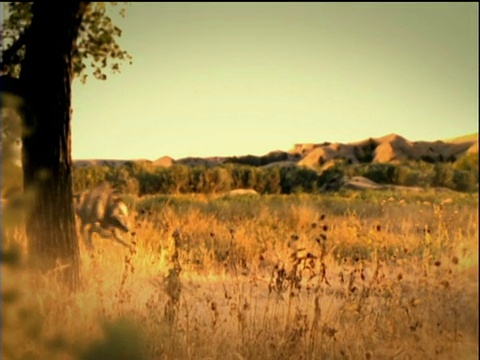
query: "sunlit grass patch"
271, 277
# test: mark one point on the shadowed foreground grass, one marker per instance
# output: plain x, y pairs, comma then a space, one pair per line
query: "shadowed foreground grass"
350, 276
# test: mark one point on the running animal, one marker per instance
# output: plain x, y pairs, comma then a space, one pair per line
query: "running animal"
102, 211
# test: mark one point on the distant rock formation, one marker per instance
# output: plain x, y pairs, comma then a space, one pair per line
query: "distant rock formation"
198, 161
165, 161
272, 157
100, 162
238, 192
391, 148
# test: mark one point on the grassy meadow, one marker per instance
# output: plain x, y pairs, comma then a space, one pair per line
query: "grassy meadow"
347, 275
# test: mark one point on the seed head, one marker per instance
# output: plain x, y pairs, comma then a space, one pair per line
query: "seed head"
213, 305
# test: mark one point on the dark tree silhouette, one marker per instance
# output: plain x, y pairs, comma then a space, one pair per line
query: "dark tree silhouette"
50, 42
46, 74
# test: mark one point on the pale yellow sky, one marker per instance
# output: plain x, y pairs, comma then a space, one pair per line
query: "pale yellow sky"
219, 79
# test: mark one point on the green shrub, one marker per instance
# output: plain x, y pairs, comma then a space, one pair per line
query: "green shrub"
468, 162
88, 177
380, 173
465, 181
443, 175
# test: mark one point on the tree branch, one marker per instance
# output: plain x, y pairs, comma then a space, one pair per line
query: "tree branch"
9, 53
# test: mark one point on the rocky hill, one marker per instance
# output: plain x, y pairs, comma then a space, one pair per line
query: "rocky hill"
391, 148
387, 149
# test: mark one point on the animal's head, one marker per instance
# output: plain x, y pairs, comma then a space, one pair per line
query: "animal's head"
119, 215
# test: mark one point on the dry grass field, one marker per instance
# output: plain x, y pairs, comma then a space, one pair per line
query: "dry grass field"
352, 275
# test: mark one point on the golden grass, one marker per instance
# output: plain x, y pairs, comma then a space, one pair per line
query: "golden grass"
353, 276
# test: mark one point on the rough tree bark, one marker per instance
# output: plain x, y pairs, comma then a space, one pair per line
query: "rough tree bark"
46, 74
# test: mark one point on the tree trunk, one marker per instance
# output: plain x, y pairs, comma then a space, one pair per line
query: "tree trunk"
46, 74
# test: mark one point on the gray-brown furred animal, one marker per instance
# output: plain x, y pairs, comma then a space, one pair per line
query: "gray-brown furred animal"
102, 211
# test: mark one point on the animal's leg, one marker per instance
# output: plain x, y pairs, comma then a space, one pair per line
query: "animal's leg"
101, 231
118, 239
96, 228
87, 237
